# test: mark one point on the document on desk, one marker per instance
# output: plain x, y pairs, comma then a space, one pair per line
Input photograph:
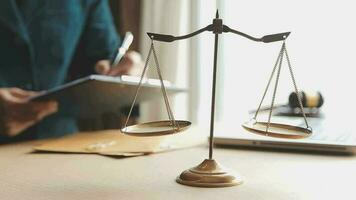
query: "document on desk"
96, 94
115, 143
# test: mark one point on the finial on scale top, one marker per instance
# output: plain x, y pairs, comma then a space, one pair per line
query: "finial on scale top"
217, 26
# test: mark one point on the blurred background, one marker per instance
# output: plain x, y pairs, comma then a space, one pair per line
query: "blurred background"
321, 47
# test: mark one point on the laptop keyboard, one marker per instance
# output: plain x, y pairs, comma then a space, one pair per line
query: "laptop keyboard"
330, 131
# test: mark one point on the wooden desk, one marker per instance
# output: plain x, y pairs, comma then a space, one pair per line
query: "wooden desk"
267, 175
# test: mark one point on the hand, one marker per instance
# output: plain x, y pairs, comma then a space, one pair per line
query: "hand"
17, 113
128, 65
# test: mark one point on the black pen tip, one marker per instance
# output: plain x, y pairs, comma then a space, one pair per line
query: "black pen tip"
217, 13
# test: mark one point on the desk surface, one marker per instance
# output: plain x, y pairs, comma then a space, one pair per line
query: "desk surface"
267, 175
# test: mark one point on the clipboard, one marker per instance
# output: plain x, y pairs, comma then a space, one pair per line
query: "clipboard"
97, 94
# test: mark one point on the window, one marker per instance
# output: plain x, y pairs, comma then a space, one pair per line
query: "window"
321, 46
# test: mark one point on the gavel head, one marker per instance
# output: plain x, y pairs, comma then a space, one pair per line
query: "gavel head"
310, 99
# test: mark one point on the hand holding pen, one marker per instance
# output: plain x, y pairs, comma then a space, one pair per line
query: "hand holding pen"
123, 61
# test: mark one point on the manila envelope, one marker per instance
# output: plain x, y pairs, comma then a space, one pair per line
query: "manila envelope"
115, 143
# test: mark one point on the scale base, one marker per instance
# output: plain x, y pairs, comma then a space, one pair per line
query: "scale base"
209, 174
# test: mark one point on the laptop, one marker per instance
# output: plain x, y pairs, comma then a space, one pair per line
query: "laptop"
329, 135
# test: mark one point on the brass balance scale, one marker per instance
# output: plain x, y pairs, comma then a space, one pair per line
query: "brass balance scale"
210, 173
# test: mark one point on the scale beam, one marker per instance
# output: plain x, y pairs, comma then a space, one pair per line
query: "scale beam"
171, 38
266, 39
217, 26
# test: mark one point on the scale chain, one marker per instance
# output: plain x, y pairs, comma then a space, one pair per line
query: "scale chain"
139, 86
165, 100
164, 92
279, 60
275, 88
296, 88
269, 82
163, 89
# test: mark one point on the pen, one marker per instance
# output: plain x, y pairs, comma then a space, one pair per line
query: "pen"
123, 48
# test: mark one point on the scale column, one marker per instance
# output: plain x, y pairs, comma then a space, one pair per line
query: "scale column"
217, 29
210, 173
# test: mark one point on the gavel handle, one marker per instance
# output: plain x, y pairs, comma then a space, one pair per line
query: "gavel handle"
267, 108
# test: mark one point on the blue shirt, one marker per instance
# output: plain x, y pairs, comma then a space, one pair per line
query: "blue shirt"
38, 40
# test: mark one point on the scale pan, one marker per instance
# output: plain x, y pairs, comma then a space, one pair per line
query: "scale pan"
277, 130
156, 128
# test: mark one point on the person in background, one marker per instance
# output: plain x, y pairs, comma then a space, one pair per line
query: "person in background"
38, 41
